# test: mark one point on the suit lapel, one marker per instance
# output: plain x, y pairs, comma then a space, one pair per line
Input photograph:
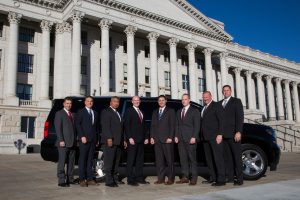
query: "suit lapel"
208, 108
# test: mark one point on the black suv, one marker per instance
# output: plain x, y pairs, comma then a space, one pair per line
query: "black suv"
260, 149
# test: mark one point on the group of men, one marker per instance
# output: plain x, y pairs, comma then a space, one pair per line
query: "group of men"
219, 126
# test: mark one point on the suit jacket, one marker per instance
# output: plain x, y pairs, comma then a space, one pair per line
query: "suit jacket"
189, 127
112, 126
165, 127
134, 128
64, 128
212, 121
85, 127
233, 117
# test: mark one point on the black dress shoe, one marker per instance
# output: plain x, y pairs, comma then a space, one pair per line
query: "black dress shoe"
133, 183
238, 183
218, 184
207, 182
143, 182
63, 185
72, 183
111, 185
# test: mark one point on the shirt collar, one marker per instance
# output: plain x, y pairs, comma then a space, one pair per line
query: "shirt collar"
208, 104
67, 111
187, 107
162, 109
228, 98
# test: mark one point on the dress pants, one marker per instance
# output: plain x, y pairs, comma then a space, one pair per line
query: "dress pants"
188, 160
164, 159
135, 162
112, 157
86, 155
65, 155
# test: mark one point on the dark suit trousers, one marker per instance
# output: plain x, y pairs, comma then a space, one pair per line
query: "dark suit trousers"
215, 160
86, 155
164, 158
135, 162
65, 155
112, 157
188, 160
233, 159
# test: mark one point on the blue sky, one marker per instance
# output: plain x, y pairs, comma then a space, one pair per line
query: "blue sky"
272, 26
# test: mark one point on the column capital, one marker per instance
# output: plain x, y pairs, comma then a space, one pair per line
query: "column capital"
237, 70
268, 77
258, 75
173, 42
207, 51
286, 81
14, 18
191, 47
46, 25
63, 27
295, 83
105, 23
130, 30
248, 72
223, 55
153, 36
277, 79
77, 16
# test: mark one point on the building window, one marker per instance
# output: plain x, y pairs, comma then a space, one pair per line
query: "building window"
200, 64
148, 94
84, 38
147, 75
167, 79
184, 60
26, 35
201, 84
110, 43
166, 56
124, 46
147, 52
125, 71
51, 92
185, 82
24, 91
84, 65
52, 39
83, 90
27, 126
125, 91
100, 40
51, 67
1, 29
25, 63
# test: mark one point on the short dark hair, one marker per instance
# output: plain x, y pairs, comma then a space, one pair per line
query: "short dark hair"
115, 97
226, 86
208, 92
162, 96
187, 94
68, 99
89, 97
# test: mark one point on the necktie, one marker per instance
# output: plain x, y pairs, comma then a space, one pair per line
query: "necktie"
140, 115
224, 103
159, 114
182, 114
202, 113
91, 115
70, 116
118, 114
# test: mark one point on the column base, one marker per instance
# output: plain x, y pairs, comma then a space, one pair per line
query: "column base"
11, 101
281, 118
46, 103
272, 119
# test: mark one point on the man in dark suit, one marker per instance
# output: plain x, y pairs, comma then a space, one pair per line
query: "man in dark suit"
212, 121
162, 136
187, 136
66, 137
112, 138
234, 118
135, 133
87, 125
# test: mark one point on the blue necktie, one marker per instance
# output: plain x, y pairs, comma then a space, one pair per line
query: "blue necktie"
159, 114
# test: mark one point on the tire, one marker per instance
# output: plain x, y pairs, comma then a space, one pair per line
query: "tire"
255, 162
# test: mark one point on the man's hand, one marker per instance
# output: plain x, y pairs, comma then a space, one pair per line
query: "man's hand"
152, 141
193, 140
62, 144
83, 140
176, 140
109, 142
131, 141
237, 137
169, 141
125, 145
146, 141
219, 139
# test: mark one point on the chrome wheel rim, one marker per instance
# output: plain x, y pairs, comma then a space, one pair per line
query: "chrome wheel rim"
252, 163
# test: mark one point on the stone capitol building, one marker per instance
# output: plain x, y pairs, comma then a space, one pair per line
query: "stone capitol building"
50, 49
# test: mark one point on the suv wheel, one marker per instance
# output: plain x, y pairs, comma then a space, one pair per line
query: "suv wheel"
254, 162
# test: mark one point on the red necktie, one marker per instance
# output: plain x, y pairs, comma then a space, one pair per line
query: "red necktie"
70, 116
140, 115
182, 114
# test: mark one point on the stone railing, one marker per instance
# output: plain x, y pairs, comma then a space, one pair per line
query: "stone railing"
23, 102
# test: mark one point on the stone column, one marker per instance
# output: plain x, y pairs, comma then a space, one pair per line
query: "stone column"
208, 70
271, 101
131, 73
105, 26
192, 71
153, 63
261, 93
76, 52
237, 74
288, 100
12, 60
279, 99
223, 68
248, 74
44, 76
296, 101
173, 66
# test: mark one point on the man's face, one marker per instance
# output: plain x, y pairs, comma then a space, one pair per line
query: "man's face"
114, 103
136, 101
162, 102
206, 98
185, 100
67, 105
89, 102
226, 92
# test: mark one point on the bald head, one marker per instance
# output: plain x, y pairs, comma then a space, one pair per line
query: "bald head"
207, 98
136, 101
